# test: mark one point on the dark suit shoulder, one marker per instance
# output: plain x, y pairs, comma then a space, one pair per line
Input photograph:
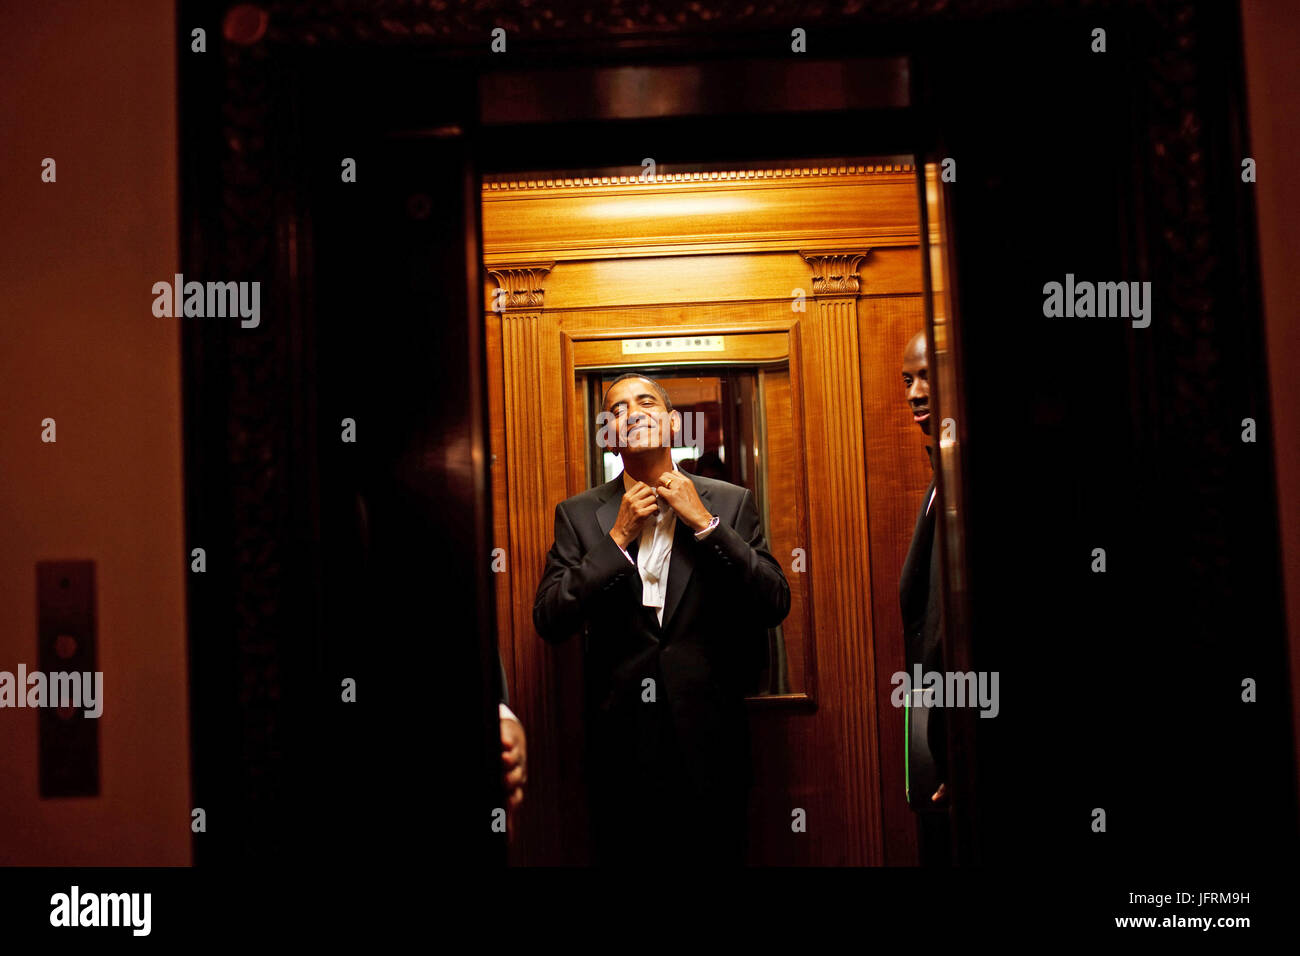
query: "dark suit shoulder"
720, 490
591, 498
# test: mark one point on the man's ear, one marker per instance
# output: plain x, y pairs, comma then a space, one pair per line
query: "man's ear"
675, 422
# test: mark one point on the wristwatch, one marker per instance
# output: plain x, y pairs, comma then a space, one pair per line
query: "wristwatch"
707, 529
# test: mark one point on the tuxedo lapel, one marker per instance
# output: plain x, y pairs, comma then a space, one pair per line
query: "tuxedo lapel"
682, 563
919, 537
607, 510
910, 579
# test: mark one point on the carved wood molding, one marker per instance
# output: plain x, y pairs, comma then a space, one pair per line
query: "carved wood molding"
507, 183
820, 215
835, 273
519, 287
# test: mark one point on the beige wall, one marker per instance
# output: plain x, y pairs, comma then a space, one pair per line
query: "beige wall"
93, 86
1271, 30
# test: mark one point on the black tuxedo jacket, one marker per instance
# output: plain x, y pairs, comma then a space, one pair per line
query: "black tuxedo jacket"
921, 603
723, 594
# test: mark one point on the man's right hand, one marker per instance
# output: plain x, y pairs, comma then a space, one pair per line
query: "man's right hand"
638, 504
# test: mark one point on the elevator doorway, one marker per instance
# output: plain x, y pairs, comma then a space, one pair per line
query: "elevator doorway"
776, 299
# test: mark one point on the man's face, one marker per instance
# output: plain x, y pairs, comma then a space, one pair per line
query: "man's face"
641, 420
916, 381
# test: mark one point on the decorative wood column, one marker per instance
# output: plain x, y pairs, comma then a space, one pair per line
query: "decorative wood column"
837, 498
534, 474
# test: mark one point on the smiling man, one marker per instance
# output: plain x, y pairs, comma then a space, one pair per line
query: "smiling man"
669, 578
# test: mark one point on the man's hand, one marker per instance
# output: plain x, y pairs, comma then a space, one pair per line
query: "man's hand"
514, 761
638, 504
679, 491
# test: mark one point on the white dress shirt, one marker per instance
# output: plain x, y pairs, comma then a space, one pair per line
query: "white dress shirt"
654, 554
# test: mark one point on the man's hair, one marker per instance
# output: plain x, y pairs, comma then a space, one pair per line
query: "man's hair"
668, 403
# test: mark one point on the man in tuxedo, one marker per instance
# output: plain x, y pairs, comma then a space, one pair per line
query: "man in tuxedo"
921, 602
670, 581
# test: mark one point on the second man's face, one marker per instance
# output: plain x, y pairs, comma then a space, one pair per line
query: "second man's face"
916, 384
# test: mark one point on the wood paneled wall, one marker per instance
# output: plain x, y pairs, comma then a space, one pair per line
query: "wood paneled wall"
560, 280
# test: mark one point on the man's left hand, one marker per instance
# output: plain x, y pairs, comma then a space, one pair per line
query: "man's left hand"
679, 491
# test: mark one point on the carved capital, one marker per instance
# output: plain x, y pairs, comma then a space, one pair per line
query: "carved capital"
835, 273
519, 287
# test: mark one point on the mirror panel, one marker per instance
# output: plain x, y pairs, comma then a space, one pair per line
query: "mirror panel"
738, 426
